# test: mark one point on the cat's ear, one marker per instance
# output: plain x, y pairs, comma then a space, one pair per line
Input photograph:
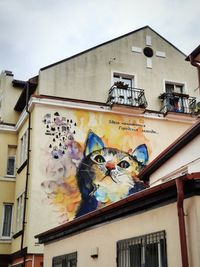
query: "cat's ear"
141, 154
93, 143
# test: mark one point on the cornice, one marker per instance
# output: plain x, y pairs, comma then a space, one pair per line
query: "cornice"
100, 107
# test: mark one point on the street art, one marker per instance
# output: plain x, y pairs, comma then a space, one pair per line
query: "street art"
85, 170
106, 175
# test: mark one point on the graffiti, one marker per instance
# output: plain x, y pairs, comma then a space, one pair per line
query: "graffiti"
106, 175
82, 176
64, 155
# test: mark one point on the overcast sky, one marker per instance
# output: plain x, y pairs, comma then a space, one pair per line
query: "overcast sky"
36, 33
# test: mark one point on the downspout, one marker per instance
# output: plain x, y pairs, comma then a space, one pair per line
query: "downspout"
27, 174
181, 220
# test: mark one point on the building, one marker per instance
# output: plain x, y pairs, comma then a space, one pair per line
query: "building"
155, 227
125, 97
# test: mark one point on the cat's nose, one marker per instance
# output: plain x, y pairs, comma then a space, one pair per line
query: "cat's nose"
110, 166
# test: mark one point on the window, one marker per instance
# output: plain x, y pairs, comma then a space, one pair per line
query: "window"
68, 260
23, 145
143, 251
176, 100
124, 78
7, 221
20, 212
11, 161
174, 88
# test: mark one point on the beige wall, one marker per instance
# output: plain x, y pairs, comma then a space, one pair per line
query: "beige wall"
7, 189
19, 189
89, 76
6, 139
192, 220
9, 96
105, 236
7, 184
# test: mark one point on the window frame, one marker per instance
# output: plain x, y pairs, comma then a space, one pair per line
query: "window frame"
19, 213
175, 84
23, 148
122, 76
6, 237
65, 260
14, 168
142, 245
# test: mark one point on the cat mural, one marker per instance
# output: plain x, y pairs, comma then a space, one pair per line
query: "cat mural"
106, 175
82, 178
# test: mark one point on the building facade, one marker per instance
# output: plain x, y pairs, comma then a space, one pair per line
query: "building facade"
155, 227
124, 97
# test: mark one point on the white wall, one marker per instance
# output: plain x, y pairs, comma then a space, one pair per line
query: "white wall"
188, 155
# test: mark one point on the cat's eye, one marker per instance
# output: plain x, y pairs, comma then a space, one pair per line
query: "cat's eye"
123, 164
99, 159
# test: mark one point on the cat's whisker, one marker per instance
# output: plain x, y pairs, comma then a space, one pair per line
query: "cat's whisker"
103, 178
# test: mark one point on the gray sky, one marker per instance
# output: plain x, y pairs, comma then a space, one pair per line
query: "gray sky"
36, 33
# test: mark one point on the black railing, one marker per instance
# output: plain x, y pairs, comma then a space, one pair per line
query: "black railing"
146, 250
127, 96
179, 103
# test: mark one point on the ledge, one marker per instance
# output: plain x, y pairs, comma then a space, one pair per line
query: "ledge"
5, 240
8, 179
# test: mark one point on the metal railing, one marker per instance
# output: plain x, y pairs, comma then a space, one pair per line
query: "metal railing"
147, 250
179, 103
134, 97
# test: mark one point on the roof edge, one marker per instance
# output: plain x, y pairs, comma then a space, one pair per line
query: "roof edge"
146, 199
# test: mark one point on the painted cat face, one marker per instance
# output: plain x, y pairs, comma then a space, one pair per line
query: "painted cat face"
115, 172
108, 173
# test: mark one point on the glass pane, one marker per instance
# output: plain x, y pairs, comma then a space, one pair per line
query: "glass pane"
68, 260
116, 78
7, 220
127, 81
11, 166
169, 88
179, 89
135, 255
151, 257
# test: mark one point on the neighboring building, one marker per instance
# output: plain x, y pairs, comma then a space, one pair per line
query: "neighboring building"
194, 59
129, 98
156, 227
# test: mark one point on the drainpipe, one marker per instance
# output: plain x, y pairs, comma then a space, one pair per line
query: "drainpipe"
181, 220
27, 174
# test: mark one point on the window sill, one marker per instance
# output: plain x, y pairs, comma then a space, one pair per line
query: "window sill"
8, 178
22, 166
5, 240
17, 234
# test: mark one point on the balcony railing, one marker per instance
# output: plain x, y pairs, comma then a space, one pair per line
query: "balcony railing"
133, 97
179, 103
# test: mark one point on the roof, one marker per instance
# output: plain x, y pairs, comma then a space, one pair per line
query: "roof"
110, 41
170, 151
142, 201
194, 54
21, 102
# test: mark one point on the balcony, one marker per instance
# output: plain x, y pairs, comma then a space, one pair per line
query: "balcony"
127, 96
177, 103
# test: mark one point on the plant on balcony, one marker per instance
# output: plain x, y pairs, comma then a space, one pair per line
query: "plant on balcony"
121, 85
